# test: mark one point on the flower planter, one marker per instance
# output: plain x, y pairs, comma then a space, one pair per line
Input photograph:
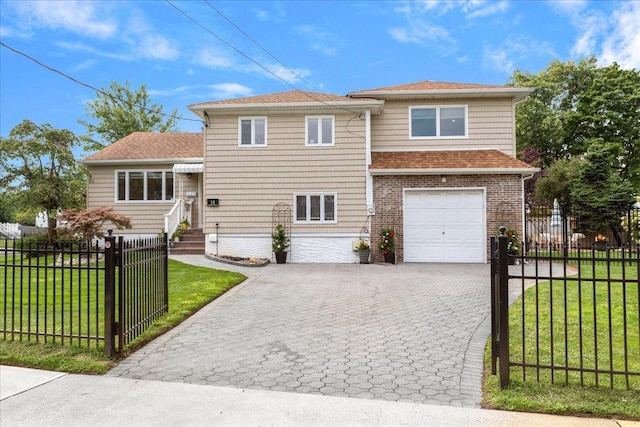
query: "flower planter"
364, 256
390, 257
281, 257
600, 245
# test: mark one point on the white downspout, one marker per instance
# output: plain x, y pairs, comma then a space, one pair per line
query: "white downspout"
369, 178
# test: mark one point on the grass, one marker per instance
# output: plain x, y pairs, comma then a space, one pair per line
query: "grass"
190, 288
565, 392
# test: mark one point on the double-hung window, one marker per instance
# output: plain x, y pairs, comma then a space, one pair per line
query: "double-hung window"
252, 131
438, 122
138, 185
319, 130
316, 207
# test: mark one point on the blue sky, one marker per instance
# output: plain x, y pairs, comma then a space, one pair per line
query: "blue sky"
334, 47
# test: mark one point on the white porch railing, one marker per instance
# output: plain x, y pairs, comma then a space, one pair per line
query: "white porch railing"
180, 211
11, 231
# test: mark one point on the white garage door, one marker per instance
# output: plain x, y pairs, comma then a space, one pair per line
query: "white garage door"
444, 226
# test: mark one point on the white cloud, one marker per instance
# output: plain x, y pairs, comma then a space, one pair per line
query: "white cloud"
318, 40
498, 59
289, 75
610, 36
423, 19
277, 16
622, 44
81, 17
156, 47
85, 65
482, 9
420, 31
229, 90
214, 58
514, 50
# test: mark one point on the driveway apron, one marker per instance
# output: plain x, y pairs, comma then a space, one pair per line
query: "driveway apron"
409, 332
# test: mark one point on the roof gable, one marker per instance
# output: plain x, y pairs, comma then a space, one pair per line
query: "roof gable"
147, 146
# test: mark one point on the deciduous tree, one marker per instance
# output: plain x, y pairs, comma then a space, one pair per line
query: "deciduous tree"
89, 223
37, 164
119, 111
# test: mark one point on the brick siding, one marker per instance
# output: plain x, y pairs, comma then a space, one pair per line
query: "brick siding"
503, 203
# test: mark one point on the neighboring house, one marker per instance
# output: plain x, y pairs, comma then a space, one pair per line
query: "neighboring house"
144, 174
435, 161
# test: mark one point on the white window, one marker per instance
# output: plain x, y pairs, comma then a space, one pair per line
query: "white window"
252, 131
316, 207
319, 130
438, 122
139, 185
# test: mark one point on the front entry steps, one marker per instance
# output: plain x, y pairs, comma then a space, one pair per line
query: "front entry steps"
192, 242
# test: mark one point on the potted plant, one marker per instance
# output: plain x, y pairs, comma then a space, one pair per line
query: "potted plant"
363, 252
600, 243
388, 245
513, 247
279, 244
184, 224
177, 235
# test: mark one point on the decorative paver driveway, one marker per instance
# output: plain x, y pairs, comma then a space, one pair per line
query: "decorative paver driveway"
409, 332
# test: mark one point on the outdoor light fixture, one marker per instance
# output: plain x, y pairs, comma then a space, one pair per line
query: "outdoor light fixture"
206, 119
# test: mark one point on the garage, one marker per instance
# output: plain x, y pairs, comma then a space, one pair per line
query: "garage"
444, 225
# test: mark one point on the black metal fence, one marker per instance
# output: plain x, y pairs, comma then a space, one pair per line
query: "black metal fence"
82, 293
576, 320
52, 294
554, 228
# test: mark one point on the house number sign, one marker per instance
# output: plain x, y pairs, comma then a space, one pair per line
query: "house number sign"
212, 203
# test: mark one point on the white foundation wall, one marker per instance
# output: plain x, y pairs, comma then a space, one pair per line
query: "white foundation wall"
305, 248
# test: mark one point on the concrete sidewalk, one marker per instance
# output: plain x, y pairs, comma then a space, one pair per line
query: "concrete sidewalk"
31, 397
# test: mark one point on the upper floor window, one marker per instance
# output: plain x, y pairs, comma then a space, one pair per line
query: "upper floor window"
438, 122
316, 207
141, 185
319, 130
252, 131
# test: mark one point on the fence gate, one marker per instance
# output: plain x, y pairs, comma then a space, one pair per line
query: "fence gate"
136, 288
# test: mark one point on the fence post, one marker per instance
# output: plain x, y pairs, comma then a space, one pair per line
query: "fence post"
165, 261
494, 308
503, 309
109, 295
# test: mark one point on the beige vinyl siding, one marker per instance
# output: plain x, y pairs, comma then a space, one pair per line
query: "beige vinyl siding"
146, 217
490, 125
249, 181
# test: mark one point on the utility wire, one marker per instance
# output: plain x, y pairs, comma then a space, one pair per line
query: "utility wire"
81, 83
260, 46
186, 15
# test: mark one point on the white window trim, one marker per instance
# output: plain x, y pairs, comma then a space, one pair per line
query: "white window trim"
322, 211
319, 144
144, 188
253, 131
437, 108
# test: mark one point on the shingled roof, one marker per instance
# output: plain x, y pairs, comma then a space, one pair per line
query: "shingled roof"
152, 146
463, 161
442, 89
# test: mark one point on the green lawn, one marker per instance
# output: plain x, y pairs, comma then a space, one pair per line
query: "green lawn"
190, 288
586, 326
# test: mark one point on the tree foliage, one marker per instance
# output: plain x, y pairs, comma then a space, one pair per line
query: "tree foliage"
38, 168
89, 223
600, 196
576, 105
119, 111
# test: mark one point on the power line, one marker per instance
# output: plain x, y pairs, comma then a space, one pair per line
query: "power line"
81, 83
259, 45
186, 15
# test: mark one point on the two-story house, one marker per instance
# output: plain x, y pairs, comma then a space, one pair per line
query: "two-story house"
434, 161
